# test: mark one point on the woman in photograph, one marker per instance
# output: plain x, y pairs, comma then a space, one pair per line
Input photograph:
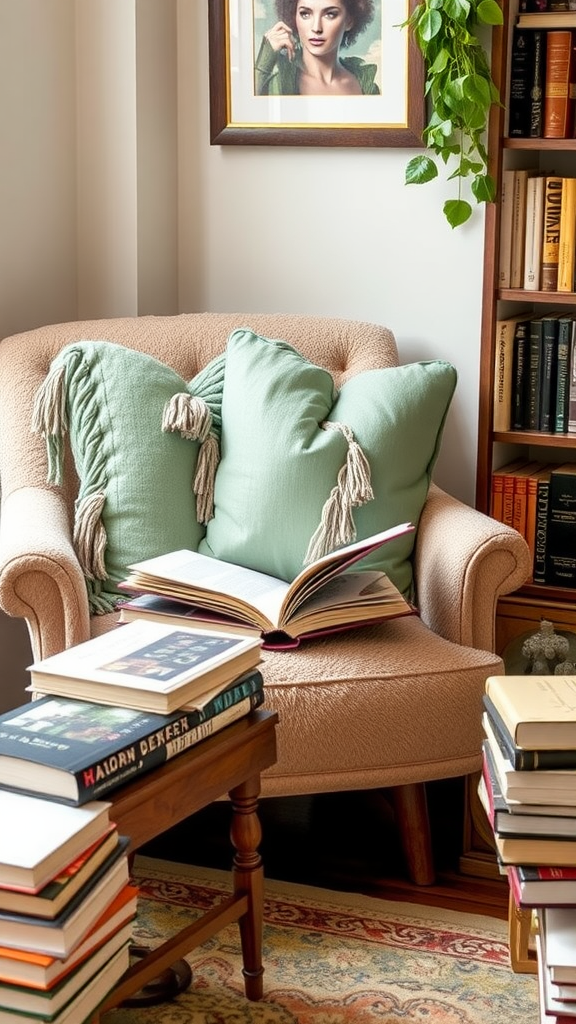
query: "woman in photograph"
300, 54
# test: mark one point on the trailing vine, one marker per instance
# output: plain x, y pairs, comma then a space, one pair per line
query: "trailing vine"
460, 93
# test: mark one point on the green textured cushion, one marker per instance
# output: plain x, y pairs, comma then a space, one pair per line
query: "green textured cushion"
136, 478
278, 465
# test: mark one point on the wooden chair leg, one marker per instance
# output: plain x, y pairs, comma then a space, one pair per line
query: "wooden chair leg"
411, 809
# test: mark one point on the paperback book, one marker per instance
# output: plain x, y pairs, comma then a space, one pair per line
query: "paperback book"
147, 666
76, 751
324, 597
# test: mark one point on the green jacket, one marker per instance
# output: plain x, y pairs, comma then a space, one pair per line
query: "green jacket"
276, 75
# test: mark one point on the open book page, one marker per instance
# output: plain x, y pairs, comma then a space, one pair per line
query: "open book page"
230, 589
254, 597
340, 600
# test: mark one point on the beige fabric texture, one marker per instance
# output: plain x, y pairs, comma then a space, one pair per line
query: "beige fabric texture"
389, 705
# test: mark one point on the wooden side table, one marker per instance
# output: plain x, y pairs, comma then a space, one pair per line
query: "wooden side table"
229, 762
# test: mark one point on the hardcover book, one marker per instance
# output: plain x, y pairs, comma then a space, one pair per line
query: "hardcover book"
551, 236
538, 886
552, 788
559, 89
147, 666
76, 751
506, 209
533, 528
57, 894
504, 368
549, 359
538, 711
522, 819
520, 374
540, 540
322, 598
561, 539
84, 1004
559, 926
38, 838
520, 758
567, 240
47, 1003
523, 73
566, 325
38, 970
58, 937
534, 232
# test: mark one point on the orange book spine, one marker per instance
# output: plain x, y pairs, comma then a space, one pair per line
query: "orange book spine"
559, 87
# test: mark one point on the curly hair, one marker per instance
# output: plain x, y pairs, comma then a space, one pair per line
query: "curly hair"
362, 12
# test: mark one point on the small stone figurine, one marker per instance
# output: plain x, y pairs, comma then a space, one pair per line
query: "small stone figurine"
547, 652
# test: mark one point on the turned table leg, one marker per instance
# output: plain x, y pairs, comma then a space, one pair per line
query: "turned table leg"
248, 877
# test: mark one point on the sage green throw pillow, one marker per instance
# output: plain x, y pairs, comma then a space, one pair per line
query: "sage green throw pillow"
135, 443
287, 437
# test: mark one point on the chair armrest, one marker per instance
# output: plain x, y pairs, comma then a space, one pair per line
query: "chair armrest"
40, 578
463, 562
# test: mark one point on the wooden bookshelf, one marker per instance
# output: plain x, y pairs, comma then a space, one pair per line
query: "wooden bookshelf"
497, 448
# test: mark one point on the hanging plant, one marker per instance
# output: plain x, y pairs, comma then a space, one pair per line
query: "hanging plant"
460, 94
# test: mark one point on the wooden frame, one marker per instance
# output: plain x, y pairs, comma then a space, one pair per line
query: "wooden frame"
396, 117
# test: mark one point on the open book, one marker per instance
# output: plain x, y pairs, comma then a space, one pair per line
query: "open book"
324, 597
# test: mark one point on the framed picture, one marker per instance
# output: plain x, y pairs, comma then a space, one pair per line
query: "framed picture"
309, 78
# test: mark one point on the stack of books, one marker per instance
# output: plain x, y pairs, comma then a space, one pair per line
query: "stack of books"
66, 908
105, 712
528, 790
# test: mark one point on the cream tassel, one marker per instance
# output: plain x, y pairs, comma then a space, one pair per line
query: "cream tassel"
90, 536
50, 420
208, 459
188, 415
353, 488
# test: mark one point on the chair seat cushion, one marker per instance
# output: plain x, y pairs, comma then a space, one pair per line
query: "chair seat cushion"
370, 708
296, 455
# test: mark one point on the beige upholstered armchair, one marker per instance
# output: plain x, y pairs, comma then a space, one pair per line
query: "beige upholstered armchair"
393, 705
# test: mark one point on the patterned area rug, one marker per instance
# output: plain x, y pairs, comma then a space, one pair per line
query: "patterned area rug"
332, 958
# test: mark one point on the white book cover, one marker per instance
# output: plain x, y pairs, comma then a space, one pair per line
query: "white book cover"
39, 837
147, 665
534, 232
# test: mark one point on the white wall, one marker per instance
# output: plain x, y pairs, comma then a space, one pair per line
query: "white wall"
327, 231
37, 163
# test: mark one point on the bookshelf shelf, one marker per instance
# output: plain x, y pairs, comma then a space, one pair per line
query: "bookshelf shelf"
541, 145
498, 447
536, 439
552, 298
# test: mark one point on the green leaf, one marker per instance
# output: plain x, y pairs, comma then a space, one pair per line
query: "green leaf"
430, 24
489, 12
484, 188
458, 10
420, 170
457, 212
477, 89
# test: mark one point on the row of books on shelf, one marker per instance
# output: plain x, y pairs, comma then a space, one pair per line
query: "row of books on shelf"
537, 230
539, 500
528, 790
542, 76
535, 373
